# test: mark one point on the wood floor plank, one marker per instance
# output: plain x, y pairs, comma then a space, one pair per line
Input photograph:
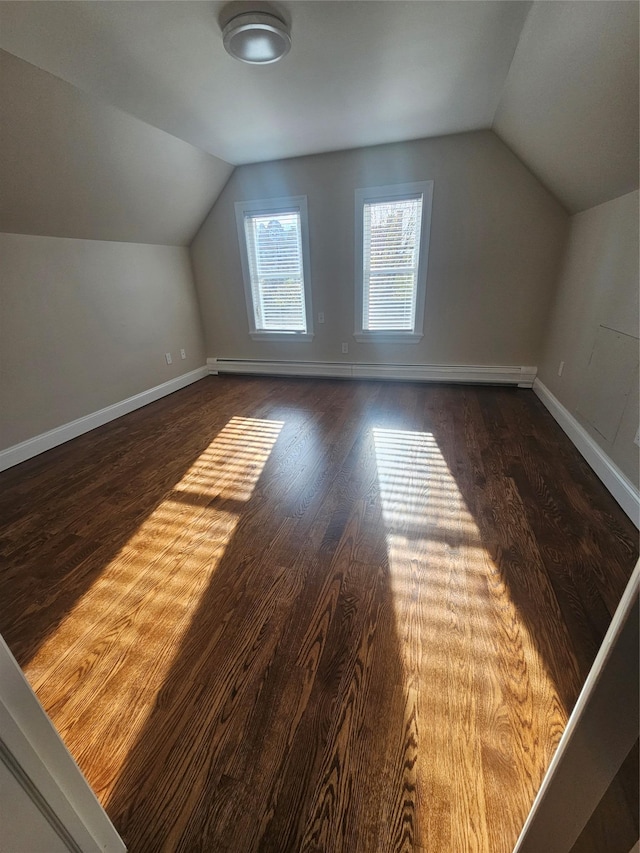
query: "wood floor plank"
290, 615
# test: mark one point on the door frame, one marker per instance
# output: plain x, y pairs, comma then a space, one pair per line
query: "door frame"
35, 755
599, 734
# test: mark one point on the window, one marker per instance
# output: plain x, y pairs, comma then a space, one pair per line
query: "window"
274, 250
392, 245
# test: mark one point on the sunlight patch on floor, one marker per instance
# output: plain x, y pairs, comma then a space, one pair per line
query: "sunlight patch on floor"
430, 532
456, 623
109, 641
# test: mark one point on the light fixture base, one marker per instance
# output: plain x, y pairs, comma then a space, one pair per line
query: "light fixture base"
258, 38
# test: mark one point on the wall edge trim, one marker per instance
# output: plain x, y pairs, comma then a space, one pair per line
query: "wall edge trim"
615, 481
18, 453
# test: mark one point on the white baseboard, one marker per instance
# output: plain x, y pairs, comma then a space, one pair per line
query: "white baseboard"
523, 377
33, 446
616, 482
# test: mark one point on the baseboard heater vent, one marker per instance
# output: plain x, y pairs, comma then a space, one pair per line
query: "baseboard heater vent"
523, 377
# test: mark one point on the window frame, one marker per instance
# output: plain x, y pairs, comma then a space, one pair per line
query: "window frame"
393, 192
286, 204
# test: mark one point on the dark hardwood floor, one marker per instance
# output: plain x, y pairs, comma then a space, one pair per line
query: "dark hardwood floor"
312, 615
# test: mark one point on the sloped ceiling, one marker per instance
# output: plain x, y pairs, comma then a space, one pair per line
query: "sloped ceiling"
570, 104
71, 166
130, 134
359, 73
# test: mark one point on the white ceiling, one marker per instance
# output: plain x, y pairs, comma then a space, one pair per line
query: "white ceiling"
570, 104
558, 81
359, 73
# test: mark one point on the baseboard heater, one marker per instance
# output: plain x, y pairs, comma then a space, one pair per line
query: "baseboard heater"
523, 377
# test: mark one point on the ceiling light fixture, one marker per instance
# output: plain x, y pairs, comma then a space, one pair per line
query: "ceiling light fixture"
258, 38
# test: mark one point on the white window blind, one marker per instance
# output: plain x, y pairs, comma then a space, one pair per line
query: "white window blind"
274, 255
391, 254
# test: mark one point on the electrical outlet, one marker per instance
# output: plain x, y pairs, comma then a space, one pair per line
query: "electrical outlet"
321, 317
345, 348
183, 354
167, 355
560, 368
636, 440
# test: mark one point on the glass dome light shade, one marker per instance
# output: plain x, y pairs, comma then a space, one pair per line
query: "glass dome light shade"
256, 38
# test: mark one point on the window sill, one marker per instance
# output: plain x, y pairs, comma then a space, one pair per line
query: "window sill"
293, 337
388, 337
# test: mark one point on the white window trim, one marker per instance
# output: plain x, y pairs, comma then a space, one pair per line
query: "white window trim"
391, 193
276, 205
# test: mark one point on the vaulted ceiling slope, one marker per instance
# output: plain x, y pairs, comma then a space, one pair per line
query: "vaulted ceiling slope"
570, 104
72, 166
557, 81
359, 73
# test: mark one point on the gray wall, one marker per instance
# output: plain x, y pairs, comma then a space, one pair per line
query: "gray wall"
593, 328
85, 324
496, 241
